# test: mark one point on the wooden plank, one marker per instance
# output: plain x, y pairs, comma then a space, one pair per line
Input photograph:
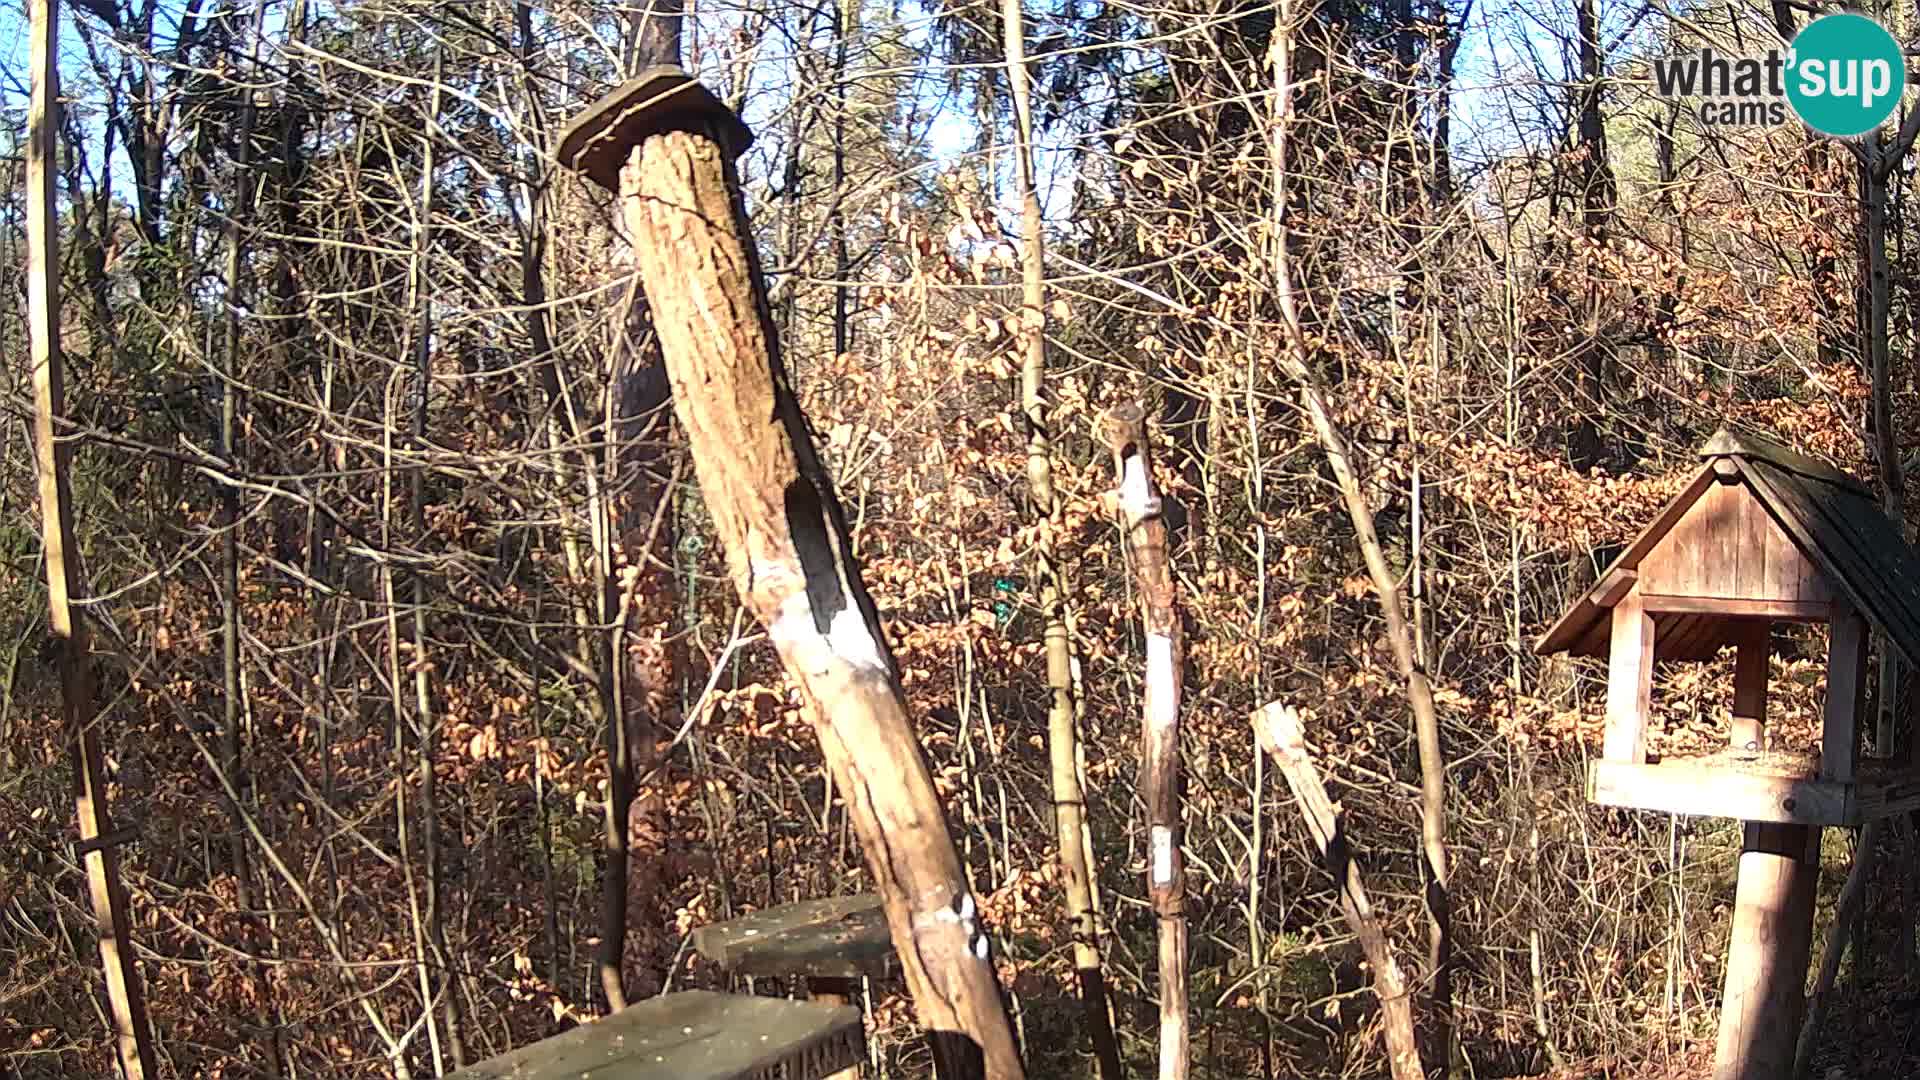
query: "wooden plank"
1571, 632
1687, 637
1727, 442
1676, 563
1629, 681
1742, 546
1779, 610
1614, 586
695, 1035
1794, 510
1846, 694
658, 99
1790, 573
836, 937
1888, 560
1684, 787
1860, 569
1750, 685
1671, 633
1886, 799
836, 991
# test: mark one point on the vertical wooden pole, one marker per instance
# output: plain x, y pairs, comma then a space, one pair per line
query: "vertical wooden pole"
1767, 955
1846, 691
1779, 868
1629, 681
788, 545
66, 577
1063, 711
1140, 512
1750, 686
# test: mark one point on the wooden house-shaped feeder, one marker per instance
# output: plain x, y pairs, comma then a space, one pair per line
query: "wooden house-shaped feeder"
1759, 535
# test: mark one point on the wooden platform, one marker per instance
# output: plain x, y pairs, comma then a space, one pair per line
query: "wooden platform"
839, 937
696, 1035
1776, 787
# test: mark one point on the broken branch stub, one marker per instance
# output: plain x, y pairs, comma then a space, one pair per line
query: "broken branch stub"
1277, 729
789, 550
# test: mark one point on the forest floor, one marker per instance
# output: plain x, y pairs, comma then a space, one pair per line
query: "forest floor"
1873, 1033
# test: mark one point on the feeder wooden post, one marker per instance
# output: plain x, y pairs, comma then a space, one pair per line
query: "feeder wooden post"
1629, 681
1750, 688
1139, 506
667, 146
1768, 952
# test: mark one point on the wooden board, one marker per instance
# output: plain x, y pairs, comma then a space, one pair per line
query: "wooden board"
1722, 786
1582, 628
838, 937
1629, 682
1726, 546
696, 1035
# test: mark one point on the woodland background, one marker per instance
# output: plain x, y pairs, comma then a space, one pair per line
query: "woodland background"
355, 638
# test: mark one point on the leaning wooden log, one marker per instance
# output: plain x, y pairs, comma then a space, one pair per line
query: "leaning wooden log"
789, 550
66, 578
1278, 729
1138, 504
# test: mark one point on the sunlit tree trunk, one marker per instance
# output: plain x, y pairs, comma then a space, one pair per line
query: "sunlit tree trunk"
1063, 739
1138, 502
66, 576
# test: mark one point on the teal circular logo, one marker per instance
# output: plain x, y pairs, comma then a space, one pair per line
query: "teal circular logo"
1845, 75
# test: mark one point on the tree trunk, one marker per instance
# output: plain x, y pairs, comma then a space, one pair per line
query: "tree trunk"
1296, 360
1140, 512
1063, 742
645, 662
240, 196
1852, 899
66, 576
427, 728
789, 552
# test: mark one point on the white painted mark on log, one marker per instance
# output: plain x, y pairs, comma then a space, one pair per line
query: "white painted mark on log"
1162, 855
1163, 703
851, 641
962, 912
846, 638
1136, 496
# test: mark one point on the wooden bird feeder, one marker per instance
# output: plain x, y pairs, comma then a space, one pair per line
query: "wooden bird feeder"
1760, 535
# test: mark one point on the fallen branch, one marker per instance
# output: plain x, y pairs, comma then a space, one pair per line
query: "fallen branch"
1277, 727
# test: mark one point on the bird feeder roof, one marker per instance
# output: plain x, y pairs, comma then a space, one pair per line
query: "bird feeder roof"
1813, 526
